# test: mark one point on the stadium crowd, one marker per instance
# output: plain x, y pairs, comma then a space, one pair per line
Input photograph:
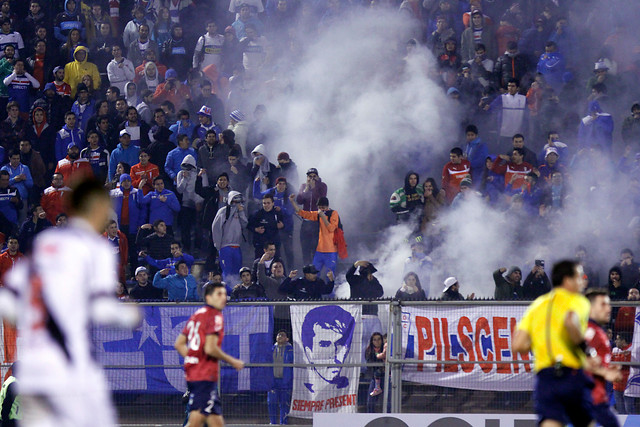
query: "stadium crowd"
158, 99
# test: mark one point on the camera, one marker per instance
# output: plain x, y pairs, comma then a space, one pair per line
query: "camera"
540, 263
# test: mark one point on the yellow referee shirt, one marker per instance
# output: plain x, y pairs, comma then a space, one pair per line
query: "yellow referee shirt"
544, 322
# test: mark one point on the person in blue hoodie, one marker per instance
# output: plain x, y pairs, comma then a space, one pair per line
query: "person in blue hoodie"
176, 256
163, 203
19, 175
84, 106
175, 157
596, 128
184, 126
124, 152
67, 20
181, 286
279, 396
70, 133
552, 66
476, 152
492, 183
281, 204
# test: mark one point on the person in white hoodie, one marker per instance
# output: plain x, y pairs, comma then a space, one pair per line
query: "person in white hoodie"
120, 70
262, 169
191, 202
227, 235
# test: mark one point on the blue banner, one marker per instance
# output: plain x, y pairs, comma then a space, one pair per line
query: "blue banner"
148, 350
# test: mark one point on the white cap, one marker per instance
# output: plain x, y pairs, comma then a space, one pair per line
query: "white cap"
449, 282
140, 269
124, 132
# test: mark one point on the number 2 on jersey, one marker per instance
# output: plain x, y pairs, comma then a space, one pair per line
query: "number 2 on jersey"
193, 338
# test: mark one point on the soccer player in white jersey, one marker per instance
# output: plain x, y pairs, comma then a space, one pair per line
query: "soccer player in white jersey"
53, 297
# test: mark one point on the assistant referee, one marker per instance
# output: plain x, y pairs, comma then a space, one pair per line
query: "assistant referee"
553, 329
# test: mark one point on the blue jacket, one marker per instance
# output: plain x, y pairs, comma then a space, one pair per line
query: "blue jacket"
121, 154
280, 200
137, 212
552, 66
170, 263
286, 382
178, 288
175, 158
66, 136
158, 209
22, 186
82, 117
179, 129
476, 152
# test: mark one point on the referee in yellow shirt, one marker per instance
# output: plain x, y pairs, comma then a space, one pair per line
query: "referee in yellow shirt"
553, 329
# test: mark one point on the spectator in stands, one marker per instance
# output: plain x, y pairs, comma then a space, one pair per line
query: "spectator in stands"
142, 43
124, 152
537, 282
511, 65
513, 167
279, 397
97, 155
364, 285
83, 107
10, 204
120, 247
617, 290
137, 129
191, 201
238, 172
9, 257
172, 90
511, 108
435, 40
476, 152
240, 128
529, 156
181, 286
550, 165
76, 70
208, 49
67, 49
36, 222
72, 167
143, 290
411, 289
54, 199
131, 215
227, 235
175, 51
326, 252
176, 156
19, 175
176, 255
631, 126
477, 33
154, 241
596, 129
552, 66
622, 353
13, 128
120, 70
508, 285
564, 38
309, 287
144, 171
42, 137
70, 18
532, 42
19, 86
247, 289
288, 169
265, 224
308, 196
451, 291
206, 124
264, 262
69, 134
454, 172
625, 319
407, 202
629, 269
184, 126
163, 204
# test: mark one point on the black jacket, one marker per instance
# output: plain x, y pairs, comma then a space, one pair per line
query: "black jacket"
252, 292
303, 289
535, 286
268, 220
362, 288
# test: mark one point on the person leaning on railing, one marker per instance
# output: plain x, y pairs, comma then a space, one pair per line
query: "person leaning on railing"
307, 287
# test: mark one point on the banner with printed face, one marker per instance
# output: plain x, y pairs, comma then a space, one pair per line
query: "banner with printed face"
326, 334
464, 334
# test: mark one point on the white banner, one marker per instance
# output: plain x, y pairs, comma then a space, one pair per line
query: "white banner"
441, 420
456, 334
326, 334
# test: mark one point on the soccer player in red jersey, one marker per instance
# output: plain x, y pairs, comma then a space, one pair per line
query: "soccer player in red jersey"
597, 339
199, 344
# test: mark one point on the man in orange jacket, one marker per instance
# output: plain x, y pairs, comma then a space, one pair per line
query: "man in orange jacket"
144, 170
54, 199
326, 252
73, 167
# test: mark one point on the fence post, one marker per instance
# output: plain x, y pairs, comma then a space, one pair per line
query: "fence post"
396, 346
387, 366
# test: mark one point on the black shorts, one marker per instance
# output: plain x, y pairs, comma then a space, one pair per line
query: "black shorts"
204, 397
564, 395
604, 416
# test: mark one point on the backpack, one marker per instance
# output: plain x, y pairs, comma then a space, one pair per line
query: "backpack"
338, 239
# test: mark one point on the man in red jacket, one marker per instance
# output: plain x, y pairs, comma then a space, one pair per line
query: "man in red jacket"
454, 172
73, 167
514, 168
627, 315
9, 257
54, 199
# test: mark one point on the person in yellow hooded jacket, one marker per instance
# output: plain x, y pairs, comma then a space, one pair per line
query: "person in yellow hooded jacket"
74, 71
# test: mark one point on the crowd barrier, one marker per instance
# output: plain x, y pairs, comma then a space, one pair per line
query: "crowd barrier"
454, 357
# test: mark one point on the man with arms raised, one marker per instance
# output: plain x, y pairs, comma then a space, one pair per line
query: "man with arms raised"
200, 344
